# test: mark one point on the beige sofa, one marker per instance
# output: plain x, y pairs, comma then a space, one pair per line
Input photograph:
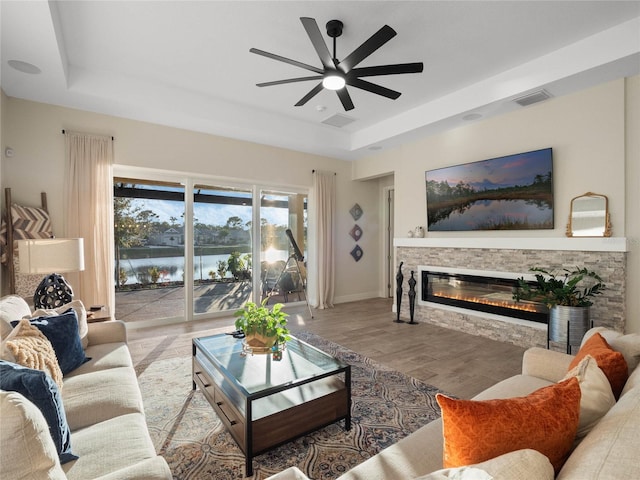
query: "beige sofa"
608, 452
104, 410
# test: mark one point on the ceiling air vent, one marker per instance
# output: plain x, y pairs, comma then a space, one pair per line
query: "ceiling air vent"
338, 120
531, 98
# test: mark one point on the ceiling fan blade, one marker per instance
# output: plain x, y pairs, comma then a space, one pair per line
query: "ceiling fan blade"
315, 36
345, 98
288, 80
374, 42
387, 70
373, 88
314, 91
286, 60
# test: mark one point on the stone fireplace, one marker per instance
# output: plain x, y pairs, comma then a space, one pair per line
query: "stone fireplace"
507, 259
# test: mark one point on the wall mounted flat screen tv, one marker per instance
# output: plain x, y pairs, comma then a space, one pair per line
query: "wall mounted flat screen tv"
514, 192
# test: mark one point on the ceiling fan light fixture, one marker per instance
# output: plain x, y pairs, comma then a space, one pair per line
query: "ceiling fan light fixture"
334, 73
333, 81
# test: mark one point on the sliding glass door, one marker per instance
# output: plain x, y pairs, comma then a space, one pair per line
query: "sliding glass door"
149, 248
185, 250
222, 248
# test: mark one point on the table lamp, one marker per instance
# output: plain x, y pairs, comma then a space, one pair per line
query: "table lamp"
51, 256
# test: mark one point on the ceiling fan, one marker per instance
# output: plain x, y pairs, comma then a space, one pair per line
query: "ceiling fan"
336, 74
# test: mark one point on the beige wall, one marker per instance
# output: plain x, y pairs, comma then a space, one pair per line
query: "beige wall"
591, 133
34, 131
632, 176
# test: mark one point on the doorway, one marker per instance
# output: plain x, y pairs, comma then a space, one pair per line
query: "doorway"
388, 249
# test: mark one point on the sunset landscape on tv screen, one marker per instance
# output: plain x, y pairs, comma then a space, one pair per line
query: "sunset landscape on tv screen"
514, 192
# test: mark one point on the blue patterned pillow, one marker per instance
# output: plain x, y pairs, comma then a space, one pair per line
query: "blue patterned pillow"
38, 387
62, 332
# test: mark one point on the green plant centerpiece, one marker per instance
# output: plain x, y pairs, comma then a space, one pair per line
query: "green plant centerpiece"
264, 328
568, 295
571, 288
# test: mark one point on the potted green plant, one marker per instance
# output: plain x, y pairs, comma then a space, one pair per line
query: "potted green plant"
263, 327
572, 288
568, 295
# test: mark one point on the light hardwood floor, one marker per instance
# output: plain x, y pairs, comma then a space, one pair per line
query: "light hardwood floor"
458, 363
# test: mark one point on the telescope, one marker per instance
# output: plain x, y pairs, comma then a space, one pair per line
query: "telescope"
296, 251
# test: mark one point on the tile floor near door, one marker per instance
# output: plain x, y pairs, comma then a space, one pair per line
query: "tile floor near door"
458, 363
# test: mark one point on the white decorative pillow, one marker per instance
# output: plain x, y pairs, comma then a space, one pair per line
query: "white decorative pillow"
597, 397
5, 328
81, 313
13, 307
27, 450
606, 333
524, 464
629, 346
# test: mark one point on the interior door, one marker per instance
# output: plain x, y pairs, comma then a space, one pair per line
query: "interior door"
389, 220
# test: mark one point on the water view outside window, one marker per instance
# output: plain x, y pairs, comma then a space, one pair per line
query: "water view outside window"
149, 249
149, 225
222, 248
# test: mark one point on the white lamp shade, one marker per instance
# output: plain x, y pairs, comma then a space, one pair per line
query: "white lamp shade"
51, 255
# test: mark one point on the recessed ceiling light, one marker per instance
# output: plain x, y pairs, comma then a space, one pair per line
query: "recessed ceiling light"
472, 116
24, 67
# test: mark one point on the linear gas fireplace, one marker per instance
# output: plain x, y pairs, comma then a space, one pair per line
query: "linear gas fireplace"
489, 292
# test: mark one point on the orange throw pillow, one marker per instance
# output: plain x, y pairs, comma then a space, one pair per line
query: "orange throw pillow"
612, 363
478, 430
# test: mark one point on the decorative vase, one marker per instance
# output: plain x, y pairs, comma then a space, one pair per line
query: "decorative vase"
258, 343
419, 232
568, 325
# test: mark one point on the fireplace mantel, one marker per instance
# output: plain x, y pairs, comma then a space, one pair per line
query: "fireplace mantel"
611, 244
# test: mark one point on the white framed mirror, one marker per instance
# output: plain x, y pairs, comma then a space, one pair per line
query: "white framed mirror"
589, 216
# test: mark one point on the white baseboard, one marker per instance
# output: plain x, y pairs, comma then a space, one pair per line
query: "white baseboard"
356, 297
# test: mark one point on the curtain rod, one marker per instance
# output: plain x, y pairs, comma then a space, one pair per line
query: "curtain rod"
63, 132
314, 171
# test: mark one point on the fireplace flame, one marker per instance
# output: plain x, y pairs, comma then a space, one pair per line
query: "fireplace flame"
486, 301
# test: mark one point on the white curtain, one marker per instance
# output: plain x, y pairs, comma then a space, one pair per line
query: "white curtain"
324, 198
89, 214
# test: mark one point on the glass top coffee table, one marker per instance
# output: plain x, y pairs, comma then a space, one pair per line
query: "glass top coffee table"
264, 402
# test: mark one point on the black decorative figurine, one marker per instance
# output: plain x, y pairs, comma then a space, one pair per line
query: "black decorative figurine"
412, 298
53, 292
399, 280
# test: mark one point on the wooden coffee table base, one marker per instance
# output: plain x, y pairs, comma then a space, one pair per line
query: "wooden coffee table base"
276, 417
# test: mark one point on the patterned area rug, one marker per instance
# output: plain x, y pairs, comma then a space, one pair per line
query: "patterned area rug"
387, 406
